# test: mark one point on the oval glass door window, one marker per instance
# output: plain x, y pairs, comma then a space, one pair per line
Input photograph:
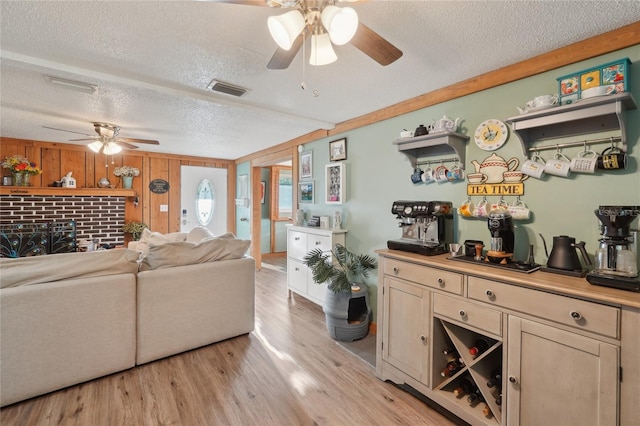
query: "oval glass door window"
205, 202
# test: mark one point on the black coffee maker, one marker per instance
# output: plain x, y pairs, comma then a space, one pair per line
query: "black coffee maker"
500, 225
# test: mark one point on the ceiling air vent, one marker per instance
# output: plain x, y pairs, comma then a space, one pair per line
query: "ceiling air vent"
227, 88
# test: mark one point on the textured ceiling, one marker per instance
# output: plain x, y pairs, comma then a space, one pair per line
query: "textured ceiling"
152, 61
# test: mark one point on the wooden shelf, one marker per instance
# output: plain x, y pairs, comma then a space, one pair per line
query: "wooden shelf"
53, 191
435, 144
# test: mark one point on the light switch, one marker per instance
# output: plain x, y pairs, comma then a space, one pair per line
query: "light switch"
164, 207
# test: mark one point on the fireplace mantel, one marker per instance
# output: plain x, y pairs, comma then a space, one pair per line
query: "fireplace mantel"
53, 191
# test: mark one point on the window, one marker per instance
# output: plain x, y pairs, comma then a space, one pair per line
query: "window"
282, 190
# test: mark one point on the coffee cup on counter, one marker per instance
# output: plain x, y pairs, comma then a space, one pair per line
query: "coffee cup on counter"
559, 165
612, 159
416, 176
585, 162
534, 166
470, 247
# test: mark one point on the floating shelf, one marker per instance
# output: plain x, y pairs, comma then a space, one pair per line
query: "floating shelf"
598, 114
437, 144
53, 191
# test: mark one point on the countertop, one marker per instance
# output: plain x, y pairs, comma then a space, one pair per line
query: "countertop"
546, 281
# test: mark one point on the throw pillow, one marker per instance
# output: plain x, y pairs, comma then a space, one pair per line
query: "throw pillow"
149, 238
199, 233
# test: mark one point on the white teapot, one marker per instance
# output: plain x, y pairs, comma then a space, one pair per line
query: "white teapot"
445, 124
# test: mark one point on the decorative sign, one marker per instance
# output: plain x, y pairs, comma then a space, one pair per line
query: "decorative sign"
501, 189
159, 186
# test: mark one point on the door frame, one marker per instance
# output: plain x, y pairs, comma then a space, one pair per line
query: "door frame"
289, 154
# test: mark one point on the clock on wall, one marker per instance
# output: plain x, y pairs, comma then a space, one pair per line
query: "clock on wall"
491, 134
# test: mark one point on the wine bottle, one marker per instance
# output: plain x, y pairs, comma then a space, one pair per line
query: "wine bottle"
475, 397
449, 351
464, 387
487, 411
478, 347
450, 369
495, 379
499, 400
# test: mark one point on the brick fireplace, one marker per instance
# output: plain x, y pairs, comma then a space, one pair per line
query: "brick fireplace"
97, 217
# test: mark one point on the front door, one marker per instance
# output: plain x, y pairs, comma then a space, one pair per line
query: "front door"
203, 198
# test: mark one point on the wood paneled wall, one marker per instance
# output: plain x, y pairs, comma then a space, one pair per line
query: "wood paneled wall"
57, 159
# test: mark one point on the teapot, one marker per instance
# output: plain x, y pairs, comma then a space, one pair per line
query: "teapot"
445, 124
421, 130
494, 166
563, 253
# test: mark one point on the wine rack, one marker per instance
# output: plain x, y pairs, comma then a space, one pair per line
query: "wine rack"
476, 369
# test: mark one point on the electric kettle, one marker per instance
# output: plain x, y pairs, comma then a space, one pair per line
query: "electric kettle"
564, 255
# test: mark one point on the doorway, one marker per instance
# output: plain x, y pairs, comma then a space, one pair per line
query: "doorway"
203, 198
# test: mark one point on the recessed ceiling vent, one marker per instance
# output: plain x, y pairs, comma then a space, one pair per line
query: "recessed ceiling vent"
227, 88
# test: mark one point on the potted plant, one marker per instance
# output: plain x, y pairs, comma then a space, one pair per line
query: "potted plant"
126, 173
342, 270
135, 229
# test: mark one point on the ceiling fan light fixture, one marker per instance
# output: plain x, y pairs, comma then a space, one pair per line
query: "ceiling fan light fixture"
285, 28
111, 148
95, 146
321, 50
341, 23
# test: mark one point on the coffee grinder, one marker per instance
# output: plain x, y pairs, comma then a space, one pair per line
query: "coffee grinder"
616, 257
500, 225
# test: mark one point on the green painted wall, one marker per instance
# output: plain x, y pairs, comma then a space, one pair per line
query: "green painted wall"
377, 174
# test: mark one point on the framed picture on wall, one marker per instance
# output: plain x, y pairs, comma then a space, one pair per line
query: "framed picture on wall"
263, 190
306, 191
338, 150
306, 165
335, 178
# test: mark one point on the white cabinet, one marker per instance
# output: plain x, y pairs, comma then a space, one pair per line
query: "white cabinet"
301, 240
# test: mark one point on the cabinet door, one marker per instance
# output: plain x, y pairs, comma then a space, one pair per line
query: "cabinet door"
557, 377
315, 290
297, 275
296, 244
406, 328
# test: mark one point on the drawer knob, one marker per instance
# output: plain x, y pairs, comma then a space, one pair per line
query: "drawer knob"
441, 282
462, 313
423, 338
396, 270
576, 315
318, 243
489, 293
297, 269
513, 380
296, 238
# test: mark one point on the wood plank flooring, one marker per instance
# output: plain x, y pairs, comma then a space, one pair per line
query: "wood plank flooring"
287, 372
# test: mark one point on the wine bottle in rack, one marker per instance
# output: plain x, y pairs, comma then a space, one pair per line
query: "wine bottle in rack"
475, 397
479, 347
495, 379
499, 399
464, 387
487, 411
450, 351
451, 368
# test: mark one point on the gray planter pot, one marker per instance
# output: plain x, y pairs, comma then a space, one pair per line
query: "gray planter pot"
347, 315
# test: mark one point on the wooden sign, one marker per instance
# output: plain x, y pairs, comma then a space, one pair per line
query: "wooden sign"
500, 189
159, 186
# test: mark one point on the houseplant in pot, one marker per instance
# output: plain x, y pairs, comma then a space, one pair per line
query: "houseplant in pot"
342, 270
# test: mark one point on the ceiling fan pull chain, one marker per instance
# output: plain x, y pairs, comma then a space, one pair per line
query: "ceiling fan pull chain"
303, 85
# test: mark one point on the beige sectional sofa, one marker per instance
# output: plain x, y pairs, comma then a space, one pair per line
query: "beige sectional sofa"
69, 318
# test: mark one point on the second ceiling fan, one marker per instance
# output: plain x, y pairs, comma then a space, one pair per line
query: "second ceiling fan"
324, 23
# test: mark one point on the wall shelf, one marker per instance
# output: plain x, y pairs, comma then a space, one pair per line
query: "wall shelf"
598, 114
53, 191
433, 145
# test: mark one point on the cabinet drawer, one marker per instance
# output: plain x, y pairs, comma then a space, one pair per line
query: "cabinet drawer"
296, 275
432, 277
590, 316
296, 244
468, 313
322, 242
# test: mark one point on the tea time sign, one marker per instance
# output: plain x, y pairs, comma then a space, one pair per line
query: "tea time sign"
501, 189
496, 176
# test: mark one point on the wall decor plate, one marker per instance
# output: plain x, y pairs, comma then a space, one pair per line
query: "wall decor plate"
491, 134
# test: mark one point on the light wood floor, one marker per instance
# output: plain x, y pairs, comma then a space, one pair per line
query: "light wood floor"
287, 372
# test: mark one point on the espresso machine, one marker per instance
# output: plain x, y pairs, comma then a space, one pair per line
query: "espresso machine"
427, 226
616, 257
500, 224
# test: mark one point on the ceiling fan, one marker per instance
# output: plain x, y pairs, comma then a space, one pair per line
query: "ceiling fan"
107, 140
325, 23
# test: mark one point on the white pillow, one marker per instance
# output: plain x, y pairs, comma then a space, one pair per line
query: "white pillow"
149, 238
199, 233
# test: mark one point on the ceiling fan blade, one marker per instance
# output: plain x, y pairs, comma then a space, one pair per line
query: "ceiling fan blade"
126, 145
63, 130
147, 141
283, 58
373, 45
90, 139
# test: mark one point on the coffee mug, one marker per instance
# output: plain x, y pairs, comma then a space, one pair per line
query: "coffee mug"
612, 159
534, 167
427, 176
480, 209
476, 178
519, 210
466, 209
545, 100
559, 165
455, 173
416, 176
585, 162
441, 174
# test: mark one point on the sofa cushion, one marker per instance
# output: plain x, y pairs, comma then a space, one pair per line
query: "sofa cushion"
149, 238
186, 253
56, 267
198, 234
